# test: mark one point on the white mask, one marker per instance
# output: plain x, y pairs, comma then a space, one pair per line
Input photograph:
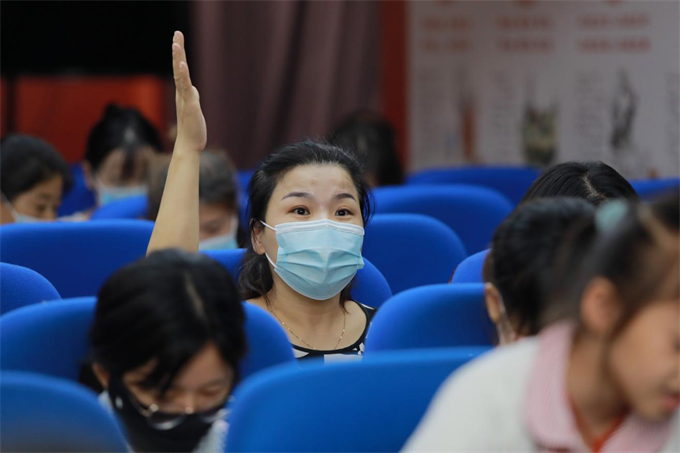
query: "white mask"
21, 218
107, 194
226, 241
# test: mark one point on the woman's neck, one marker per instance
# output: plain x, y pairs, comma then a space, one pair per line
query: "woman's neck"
598, 401
314, 316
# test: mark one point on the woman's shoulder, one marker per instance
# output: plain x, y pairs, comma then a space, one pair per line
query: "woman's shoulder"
479, 407
366, 310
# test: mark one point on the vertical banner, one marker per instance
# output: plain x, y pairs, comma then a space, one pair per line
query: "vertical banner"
542, 82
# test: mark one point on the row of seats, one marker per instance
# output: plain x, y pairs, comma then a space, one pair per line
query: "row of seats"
472, 212
510, 181
52, 337
281, 401
410, 250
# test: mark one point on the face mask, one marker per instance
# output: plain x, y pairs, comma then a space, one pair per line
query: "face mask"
225, 241
106, 194
154, 431
21, 218
318, 259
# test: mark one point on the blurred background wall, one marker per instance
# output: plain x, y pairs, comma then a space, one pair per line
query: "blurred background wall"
463, 82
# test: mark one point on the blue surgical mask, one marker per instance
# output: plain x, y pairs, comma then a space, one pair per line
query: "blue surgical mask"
21, 218
225, 241
318, 259
107, 194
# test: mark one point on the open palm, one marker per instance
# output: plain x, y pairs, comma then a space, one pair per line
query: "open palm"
191, 129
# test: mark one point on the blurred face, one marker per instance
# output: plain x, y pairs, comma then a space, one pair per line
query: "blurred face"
644, 360
215, 220
204, 383
110, 172
41, 201
307, 193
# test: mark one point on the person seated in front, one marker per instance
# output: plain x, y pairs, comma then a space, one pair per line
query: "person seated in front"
166, 340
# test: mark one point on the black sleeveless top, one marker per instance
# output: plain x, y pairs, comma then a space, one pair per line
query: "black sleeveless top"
353, 351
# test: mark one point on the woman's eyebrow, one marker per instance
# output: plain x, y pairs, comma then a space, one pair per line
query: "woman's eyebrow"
299, 195
342, 196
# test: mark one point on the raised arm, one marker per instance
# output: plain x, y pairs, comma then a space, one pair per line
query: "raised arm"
177, 221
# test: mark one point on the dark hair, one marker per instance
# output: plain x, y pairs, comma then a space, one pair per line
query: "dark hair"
217, 184
523, 252
593, 181
120, 128
371, 138
26, 161
167, 306
633, 245
256, 278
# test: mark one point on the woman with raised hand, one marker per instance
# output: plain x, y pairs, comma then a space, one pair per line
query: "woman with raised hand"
309, 204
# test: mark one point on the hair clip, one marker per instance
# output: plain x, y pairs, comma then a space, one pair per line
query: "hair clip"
610, 214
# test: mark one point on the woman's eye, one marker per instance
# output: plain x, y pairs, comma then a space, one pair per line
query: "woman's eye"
40, 209
343, 212
300, 211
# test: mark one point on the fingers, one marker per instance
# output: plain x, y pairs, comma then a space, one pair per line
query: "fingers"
180, 68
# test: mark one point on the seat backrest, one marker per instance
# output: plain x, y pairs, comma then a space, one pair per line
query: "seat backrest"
412, 250
367, 406
79, 197
20, 286
42, 413
49, 338
436, 316
53, 339
369, 287
648, 189
244, 177
128, 208
512, 182
76, 257
470, 270
473, 212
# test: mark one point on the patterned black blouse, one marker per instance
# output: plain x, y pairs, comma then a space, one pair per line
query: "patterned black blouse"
353, 351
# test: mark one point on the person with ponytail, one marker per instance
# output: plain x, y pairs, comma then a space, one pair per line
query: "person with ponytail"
604, 375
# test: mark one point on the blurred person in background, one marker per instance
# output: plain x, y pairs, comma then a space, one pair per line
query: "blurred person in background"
372, 139
593, 181
121, 149
34, 178
218, 209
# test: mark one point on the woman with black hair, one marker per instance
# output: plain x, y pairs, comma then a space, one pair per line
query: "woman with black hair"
167, 337
519, 269
121, 149
33, 180
593, 181
308, 204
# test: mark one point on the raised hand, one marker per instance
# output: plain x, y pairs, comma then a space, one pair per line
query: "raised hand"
191, 130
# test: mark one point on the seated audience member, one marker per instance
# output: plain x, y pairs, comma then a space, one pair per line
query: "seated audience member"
371, 138
218, 195
309, 204
595, 182
121, 150
520, 265
605, 375
167, 337
33, 180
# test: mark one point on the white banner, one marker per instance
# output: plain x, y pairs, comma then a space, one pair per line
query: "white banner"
542, 82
